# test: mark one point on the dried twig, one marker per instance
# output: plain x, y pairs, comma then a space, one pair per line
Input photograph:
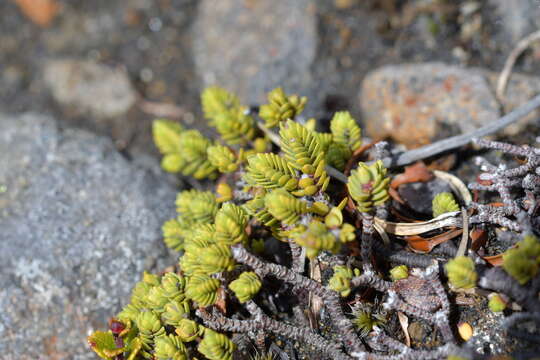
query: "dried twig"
456, 141
262, 322
462, 249
521, 46
161, 109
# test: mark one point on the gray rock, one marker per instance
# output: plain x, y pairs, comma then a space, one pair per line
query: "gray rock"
79, 224
89, 88
252, 47
515, 19
416, 104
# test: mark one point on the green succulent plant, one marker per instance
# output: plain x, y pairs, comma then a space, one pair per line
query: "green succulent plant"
216, 346
246, 286
175, 311
170, 347
270, 171
523, 262
346, 131
256, 207
461, 272
222, 158
235, 126
173, 286
183, 151
231, 221
173, 234
104, 345
368, 186
341, 280
285, 207
264, 356
337, 155
216, 101
301, 147
194, 208
366, 321
226, 237
203, 289
444, 202
399, 272
188, 330
496, 303
315, 237
281, 107
325, 139
150, 328
167, 136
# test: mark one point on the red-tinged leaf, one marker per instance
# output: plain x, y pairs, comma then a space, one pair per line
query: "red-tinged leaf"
103, 344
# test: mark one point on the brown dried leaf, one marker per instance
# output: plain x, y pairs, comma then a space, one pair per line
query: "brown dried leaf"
404, 322
395, 195
418, 172
425, 245
221, 303
398, 228
40, 12
478, 238
495, 260
315, 302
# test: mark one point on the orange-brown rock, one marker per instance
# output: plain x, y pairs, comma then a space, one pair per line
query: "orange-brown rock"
415, 104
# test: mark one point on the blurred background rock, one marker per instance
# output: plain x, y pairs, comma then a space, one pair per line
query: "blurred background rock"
98, 72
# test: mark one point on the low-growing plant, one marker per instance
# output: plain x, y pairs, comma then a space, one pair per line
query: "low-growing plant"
287, 188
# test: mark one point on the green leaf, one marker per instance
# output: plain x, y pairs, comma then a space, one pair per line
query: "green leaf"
345, 130
368, 185
523, 262
103, 344
167, 136
444, 202
216, 101
202, 289
270, 171
281, 107
222, 158
461, 272
285, 207
170, 347
173, 163
231, 221
216, 346
246, 286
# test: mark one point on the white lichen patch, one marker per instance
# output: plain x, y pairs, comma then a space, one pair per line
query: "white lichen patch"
33, 274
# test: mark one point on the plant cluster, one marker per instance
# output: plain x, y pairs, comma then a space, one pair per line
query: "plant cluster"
276, 187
